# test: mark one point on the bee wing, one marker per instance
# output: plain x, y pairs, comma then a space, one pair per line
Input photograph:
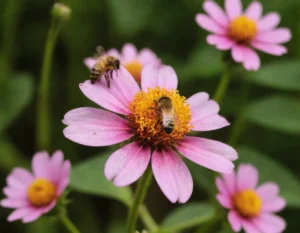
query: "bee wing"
100, 50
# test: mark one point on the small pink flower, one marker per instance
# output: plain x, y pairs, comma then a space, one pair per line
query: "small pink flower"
33, 195
241, 31
131, 59
250, 207
141, 121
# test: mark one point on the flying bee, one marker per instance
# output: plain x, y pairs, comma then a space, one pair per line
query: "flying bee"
105, 65
165, 107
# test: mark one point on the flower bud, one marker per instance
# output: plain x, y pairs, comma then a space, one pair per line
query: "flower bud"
61, 11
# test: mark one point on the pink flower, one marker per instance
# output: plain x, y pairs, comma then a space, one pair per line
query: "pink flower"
131, 59
242, 31
250, 207
141, 122
33, 195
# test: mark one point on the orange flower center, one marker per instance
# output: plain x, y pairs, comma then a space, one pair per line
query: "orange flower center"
135, 69
41, 192
247, 203
160, 121
242, 29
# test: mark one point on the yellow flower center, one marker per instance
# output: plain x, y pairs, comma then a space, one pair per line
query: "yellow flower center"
41, 192
242, 29
135, 69
247, 203
160, 123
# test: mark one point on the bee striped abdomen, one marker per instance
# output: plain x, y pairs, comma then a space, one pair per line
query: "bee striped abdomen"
95, 75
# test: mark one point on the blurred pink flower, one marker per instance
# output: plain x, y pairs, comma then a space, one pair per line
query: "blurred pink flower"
131, 59
242, 31
250, 207
141, 122
33, 195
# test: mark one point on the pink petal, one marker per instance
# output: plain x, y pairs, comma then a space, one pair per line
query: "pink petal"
129, 53
147, 56
268, 22
267, 191
172, 175
89, 62
273, 49
251, 59
41, 165
64, 177
249, 227
233, 8
235, 221
254, 10
231, 182
56, 161
15, 194
10, 203
19, 214
247, 177
208, 153
269, 223
95, 127
164, 77
274, 205
277, 36
209, 24
127, 164
221, 42
19, 178
237, 53
122, 89
222, 188
34, 215
114, 53
216, 13
225, 201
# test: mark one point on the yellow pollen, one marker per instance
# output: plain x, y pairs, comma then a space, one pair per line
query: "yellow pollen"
242, 29
135, 68
247, 203
41, 192
146, 117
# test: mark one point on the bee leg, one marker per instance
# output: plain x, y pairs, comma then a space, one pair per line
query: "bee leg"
107, 80
111, 74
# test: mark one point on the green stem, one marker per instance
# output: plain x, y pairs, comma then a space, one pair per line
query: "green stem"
43, 106
223, 85
68, 223
140, 194
147, 219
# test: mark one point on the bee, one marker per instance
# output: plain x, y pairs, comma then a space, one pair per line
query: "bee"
105, 65
167, 112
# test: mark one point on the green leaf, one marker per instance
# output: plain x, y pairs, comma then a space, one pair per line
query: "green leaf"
15, 96
88, 177
187, 216
283, 75
274, 171
276, 112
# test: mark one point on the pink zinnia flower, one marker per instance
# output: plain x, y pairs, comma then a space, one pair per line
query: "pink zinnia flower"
131, 59
33, 195
141, 122
242, 31
250, 207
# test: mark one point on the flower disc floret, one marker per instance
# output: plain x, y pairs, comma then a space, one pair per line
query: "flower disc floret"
242, 29
146, 117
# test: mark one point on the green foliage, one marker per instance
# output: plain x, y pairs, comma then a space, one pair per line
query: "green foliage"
88, 177
276, 112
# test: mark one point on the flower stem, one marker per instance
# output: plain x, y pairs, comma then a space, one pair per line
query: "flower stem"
140, 194
68, 223
223, 85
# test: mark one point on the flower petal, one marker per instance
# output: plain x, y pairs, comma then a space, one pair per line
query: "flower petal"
19, 214
269, 223
15, 194
216, 13
10, 203
129, 53
251, 59
233, 8
20, 178
225, 201
65, 177
172, 175
56, 161
114, 53
127, 164
90, 62
235, 220
231, 182
267, 191
221, 42
222, 188
209, 24
34, 215
277, 36
95, 127
254, 10
116, 98
274, 205
208, 153
268, 22
247, 177
273, 49
237, 53
41, 165
147, 56
249, 226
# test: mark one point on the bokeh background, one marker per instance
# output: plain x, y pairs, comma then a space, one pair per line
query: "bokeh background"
267, 121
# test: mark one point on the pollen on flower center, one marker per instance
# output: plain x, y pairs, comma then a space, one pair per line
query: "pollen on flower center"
242, 29
247, 203
135, 69
147, 117
41, 192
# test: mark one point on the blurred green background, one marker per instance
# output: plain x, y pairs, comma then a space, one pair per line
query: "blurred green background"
268, 121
